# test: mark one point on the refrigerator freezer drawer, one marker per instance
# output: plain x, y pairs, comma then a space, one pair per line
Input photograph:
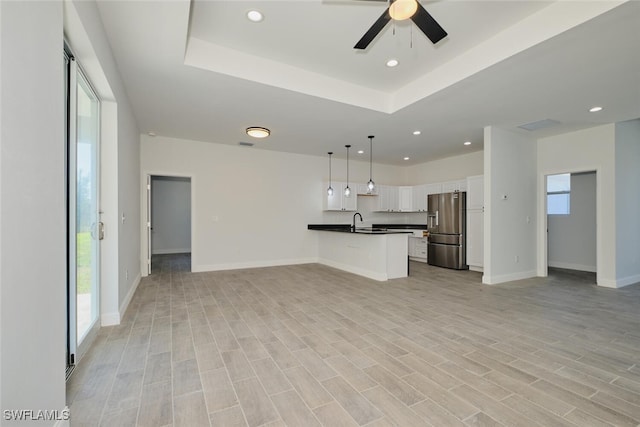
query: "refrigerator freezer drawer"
449, 256
446, 239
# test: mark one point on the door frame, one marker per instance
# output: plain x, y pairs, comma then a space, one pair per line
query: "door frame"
543, 239
145, 211
75, 349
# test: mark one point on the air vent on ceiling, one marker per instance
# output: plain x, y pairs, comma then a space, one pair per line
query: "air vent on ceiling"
540, 124
245, 144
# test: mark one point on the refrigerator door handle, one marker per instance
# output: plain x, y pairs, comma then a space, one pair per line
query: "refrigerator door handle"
437, 218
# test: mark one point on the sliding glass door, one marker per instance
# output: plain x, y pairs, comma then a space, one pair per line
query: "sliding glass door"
83, 129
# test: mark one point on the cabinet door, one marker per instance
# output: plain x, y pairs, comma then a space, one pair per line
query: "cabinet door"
475, 192
394, 199
412, 246
350, 203
420, 198
333, 202
475, 238
450, 187
405, 199
433, 188
383, 198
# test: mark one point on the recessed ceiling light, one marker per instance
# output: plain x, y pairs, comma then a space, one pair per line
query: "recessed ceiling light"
151, 133
258, 132
255, 16
416, 132
467, 143
360, 151
392, 63
595, 109
406, 158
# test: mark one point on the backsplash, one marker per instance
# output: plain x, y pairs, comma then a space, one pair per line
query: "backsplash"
366, 206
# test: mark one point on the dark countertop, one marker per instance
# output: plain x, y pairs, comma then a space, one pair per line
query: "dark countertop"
401, 226
346, 228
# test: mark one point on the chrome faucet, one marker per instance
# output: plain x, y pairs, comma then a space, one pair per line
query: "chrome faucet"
353, 227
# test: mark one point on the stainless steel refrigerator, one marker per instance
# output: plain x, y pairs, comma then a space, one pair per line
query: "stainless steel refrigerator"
447, 223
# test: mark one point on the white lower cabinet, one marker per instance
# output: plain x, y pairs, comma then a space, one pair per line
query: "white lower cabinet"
418, 248
475, 239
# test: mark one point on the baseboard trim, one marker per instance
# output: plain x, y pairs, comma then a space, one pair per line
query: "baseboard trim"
476, 268
112, 319
571, 266
251, 264
619, 283
380, 277
171, 251
494, 280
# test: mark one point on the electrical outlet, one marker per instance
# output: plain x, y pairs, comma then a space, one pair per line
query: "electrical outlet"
126, 274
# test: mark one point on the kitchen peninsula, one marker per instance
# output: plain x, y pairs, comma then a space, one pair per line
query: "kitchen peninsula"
376, 252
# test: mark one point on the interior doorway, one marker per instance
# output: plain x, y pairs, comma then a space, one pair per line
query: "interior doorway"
571, 204
168, 219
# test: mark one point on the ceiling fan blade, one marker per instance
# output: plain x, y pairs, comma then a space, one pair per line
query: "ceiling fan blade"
373, 31
428, 25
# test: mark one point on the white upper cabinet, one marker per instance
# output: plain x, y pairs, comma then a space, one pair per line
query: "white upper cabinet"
388, 199
452, 186
475, 192
433, 188
405, 198
338, 201
420, 198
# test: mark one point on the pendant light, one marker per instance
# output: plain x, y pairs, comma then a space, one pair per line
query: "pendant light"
371, 185
347, 190
330, 189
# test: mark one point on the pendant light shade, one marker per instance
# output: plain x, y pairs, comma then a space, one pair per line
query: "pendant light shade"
330, 189
347, 190
371, 185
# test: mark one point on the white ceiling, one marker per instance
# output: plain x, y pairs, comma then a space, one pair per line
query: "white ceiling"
200, 70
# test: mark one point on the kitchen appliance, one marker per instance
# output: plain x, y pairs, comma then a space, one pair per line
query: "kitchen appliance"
446, 221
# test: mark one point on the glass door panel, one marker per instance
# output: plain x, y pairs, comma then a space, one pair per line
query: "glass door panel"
87, 221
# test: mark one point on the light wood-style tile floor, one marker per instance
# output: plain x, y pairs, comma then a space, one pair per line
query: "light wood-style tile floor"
309, 345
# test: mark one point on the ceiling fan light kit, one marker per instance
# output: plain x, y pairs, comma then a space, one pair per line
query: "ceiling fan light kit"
402, 9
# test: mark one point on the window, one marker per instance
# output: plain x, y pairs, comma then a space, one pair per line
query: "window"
559, 194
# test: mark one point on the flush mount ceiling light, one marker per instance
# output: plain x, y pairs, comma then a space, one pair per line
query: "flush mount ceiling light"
258, 132
255, 16
467, 143
416, 132
392, 63
595, 109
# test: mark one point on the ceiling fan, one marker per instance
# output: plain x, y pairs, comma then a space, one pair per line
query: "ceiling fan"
404, 9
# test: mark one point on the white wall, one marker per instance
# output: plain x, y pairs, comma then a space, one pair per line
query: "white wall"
585, 150
572, 238
251, 207
627, 202
33, 274
510, 223
120, 163
449, 169
171, 215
